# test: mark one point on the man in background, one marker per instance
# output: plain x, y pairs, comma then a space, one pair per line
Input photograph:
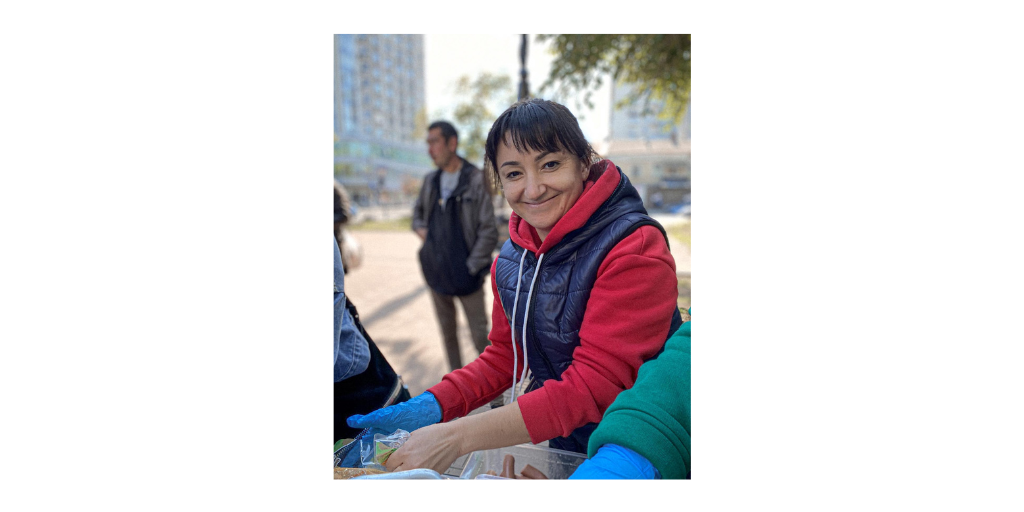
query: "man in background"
454, 216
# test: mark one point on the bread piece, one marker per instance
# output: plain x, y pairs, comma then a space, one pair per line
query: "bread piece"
346, 473
533, 473
508, 467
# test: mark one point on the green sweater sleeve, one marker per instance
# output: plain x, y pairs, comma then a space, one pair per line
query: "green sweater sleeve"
653, 417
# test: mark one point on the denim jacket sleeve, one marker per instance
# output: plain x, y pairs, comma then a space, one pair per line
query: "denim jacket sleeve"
351, 353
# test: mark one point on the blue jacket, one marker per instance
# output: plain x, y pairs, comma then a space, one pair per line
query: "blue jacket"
351, 352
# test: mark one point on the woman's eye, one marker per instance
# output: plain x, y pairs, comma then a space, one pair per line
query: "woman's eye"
551, 165
511, 175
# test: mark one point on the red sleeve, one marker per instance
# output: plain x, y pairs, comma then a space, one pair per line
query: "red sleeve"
485, 378
627, 320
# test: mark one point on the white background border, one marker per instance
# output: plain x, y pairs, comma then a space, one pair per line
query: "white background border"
856, 255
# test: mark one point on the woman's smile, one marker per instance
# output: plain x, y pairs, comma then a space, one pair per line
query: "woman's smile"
539, 204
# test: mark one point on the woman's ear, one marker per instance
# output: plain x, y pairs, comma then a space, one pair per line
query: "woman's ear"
586, 170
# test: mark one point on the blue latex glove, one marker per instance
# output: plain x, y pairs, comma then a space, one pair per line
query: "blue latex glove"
410, 415
614, 462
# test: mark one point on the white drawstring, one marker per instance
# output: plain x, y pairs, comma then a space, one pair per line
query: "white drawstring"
524, 383
526, 318
515, 304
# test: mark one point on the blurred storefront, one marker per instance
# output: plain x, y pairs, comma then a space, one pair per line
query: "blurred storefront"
653, 152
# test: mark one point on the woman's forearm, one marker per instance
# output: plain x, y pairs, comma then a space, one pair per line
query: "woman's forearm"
496, 428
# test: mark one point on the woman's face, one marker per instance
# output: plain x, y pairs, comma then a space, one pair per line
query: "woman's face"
540, 186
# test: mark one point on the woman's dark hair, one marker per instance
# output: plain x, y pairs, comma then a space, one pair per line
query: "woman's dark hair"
538, 125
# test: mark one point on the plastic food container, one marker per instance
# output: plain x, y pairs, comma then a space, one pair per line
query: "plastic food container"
556, 464
414, 474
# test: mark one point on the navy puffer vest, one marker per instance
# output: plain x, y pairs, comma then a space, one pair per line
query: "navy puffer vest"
562, 289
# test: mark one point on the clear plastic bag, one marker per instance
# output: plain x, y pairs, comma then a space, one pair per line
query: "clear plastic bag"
373, 454
348, 455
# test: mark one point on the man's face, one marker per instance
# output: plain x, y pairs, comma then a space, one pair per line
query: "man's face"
440, 150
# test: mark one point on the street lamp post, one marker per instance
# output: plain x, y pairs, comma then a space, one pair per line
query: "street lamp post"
524, 85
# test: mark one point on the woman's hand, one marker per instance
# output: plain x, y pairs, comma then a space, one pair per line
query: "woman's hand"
437, 446
433, 447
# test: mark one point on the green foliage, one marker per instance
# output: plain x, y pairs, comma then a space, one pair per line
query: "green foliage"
343, 169
657, 65
683, 301
680, 232
420, 123
403, 224
483, 100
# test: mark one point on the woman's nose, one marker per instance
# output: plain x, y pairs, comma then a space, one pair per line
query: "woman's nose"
534, 187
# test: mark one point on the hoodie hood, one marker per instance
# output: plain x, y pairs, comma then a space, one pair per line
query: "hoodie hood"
602, 182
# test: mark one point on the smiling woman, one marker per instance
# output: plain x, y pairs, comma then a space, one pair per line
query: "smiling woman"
584, 292
540, 186
542, 167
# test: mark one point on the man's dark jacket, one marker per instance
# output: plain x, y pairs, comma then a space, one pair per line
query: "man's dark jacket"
477, 215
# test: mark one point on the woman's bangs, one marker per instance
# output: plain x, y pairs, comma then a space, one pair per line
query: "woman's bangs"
538, 133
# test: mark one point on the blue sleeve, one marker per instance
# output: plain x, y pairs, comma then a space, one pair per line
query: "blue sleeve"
614, 462
351, 352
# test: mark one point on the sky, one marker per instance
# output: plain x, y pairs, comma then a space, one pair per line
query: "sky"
447, 57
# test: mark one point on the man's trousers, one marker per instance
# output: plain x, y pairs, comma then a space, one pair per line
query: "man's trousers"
476, 316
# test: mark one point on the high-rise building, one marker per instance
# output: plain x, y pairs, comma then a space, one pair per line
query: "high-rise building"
653, 152
636, 122
378, 96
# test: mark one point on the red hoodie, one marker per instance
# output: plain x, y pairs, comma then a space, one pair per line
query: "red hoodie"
637, 275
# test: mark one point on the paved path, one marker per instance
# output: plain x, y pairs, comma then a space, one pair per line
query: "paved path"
396, 310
